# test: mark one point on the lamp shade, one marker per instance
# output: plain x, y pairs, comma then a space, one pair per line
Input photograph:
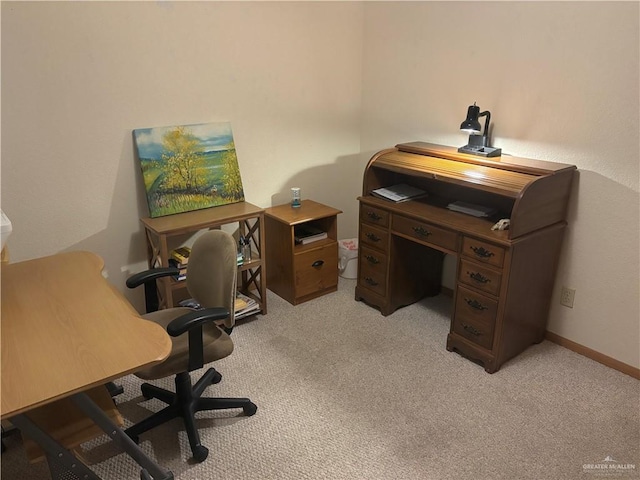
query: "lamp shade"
471, 124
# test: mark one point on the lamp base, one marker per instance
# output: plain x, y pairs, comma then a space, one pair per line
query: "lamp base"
481, 151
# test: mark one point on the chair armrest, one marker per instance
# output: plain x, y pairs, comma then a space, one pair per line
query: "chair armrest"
138, 279
192, 322
194, 319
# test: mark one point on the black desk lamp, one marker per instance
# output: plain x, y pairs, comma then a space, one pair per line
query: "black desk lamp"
478, 144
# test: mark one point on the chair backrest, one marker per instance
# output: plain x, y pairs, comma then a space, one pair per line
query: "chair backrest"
212, 272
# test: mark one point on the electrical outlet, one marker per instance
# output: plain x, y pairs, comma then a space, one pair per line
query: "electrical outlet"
566, 296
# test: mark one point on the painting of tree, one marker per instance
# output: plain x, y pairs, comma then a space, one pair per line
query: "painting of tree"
188, 167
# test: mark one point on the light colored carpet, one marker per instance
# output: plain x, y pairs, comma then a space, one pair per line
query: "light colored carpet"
345, 393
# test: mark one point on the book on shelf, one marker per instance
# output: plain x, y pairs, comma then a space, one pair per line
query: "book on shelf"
183, 269
399, 193
181, 255
304, 234
243, 305
240, 304
190, 303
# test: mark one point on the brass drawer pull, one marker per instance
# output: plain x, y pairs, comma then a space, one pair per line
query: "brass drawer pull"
476, 305
471, 330
478, 277
482, 252
421, 232
374, 216
373, 237
317, 263
370, 281
372, 259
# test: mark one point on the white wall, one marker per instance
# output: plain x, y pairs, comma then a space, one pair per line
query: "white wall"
78, 77
561, 81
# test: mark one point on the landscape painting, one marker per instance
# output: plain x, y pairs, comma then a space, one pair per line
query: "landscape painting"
188, 167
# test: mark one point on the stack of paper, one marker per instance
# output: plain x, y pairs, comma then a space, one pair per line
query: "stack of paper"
305, 233
399, 193
471, 209
245, 306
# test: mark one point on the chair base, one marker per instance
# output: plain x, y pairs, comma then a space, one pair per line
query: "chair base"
184, 403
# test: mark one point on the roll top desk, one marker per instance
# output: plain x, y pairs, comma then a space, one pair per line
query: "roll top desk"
504, 278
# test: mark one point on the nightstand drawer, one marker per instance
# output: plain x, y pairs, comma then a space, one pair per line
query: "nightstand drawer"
483, 252
480, 277
425, 232
375, 216
316, 270
376, 237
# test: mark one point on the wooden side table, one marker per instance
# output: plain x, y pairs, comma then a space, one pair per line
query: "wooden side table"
250, 219
298, 272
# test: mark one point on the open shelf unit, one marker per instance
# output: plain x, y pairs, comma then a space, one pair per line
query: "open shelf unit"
250, 220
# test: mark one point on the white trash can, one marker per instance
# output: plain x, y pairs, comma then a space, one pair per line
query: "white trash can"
5, 228
348, 258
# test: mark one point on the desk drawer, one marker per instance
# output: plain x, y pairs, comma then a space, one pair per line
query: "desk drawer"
373, 270
475, 332
480, 277
483, 252
316, 269
425, 232
376, 237
475, 317
373, 259
374, 216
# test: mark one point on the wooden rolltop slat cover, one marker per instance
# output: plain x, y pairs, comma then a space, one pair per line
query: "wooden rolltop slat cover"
502, 182
505, 162
538, 189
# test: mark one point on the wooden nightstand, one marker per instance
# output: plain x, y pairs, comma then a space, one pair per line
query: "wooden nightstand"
297, 272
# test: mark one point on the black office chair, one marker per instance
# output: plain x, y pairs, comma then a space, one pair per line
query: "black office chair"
198, 337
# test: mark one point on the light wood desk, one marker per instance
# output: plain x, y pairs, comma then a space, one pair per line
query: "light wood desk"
65, 330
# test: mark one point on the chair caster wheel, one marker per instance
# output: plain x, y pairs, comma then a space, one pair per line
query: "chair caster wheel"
200, 453
250, 409
217, 378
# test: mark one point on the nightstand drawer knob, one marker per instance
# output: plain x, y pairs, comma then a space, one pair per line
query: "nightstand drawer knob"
374, 216
370, 281
317, 263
